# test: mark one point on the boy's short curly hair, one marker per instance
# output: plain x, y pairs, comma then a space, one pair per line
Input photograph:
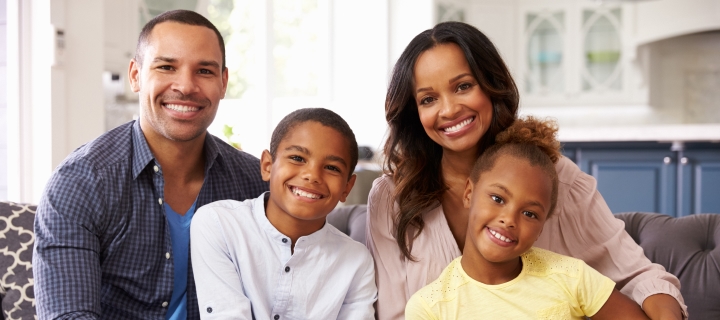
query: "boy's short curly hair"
323, 116
530, 139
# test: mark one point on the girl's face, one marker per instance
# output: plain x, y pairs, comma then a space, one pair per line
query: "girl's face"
508, 205
454, 111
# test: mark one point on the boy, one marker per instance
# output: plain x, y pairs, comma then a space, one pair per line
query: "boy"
511, 192
275, 257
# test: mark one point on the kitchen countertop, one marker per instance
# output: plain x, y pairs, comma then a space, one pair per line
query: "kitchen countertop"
662, 133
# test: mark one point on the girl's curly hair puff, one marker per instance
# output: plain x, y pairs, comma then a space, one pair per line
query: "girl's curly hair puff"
530, 139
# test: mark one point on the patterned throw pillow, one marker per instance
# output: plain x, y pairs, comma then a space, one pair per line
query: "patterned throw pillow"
16, 247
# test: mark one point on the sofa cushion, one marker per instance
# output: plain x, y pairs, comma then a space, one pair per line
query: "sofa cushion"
688, 248
16, 247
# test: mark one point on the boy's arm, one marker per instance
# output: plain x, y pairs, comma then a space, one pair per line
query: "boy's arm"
362, 293
619, 306
219, 286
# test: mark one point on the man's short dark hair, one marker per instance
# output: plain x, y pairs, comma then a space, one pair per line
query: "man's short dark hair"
180, 16
320, 115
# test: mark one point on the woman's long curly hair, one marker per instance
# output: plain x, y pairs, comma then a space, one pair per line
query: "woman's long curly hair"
412, 158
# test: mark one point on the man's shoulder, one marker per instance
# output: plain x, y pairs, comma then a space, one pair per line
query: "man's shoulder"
110, 147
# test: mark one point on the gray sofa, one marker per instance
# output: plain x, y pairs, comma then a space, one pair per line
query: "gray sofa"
687, 247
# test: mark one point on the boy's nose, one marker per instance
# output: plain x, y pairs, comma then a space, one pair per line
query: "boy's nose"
311, 174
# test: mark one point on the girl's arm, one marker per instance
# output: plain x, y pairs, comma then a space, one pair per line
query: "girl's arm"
618, 306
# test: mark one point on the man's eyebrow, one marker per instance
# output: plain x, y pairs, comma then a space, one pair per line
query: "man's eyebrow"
210, 63
164, 59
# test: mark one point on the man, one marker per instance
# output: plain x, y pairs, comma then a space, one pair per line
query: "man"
112, 228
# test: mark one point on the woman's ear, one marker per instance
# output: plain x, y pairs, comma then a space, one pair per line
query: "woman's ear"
467, 196
266, 162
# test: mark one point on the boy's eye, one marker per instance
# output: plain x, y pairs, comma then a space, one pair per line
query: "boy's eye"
497, 199
296, 158
333, 168
530, 214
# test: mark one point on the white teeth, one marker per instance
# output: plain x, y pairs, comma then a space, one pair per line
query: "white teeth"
181, 108
302, 193
499, 236
459, 126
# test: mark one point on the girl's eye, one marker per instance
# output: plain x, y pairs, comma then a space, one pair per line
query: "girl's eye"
530, 214
497, 199
296, 158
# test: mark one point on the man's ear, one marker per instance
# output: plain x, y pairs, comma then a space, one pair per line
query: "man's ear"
348, 187
266, 165
467, 195
225, 76
134, 74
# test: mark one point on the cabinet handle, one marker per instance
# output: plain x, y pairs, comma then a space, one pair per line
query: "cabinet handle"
684, 160
667, 160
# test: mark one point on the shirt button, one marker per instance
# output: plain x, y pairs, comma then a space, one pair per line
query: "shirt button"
284, 240
160, 201
156, 168
165, 304
167, 255
209, 310
287, 269
276, 317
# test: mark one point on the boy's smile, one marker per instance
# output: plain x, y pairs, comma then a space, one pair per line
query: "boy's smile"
308, 177
508, 208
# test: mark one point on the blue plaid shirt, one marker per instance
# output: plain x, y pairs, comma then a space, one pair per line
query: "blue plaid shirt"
102, 243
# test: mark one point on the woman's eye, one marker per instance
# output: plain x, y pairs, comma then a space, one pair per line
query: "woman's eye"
496, 199
464, 86
530, 214
426, 100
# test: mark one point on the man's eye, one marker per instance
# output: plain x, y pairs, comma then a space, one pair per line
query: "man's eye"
165, 67
496, 199
205, 71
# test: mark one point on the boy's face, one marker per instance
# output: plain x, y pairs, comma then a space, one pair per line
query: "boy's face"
309, 174
508, 208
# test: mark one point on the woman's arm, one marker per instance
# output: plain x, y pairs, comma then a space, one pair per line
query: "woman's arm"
584, 227
390, 274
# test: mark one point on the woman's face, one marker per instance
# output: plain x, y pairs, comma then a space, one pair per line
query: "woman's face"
453, 109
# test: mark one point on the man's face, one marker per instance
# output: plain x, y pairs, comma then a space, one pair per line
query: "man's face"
180, 82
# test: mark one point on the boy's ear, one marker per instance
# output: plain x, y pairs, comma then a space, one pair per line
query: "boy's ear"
266, 165
467, 195
348, 187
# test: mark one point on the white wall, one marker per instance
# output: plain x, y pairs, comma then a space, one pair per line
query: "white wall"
3, 99
57, 94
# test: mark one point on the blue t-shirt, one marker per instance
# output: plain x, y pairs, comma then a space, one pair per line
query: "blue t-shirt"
180, 237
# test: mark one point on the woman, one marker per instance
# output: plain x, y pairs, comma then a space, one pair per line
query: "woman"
449, 96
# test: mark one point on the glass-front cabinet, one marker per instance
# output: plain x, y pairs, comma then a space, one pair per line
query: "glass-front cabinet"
575, 53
